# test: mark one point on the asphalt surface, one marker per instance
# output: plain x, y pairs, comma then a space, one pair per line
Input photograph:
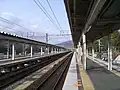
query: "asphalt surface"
101, 78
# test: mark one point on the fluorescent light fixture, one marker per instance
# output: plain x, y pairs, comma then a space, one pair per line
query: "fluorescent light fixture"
89, 28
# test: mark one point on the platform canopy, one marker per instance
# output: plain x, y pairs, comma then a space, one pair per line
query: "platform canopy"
95, 18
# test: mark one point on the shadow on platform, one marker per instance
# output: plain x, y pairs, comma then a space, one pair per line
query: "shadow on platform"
101, 78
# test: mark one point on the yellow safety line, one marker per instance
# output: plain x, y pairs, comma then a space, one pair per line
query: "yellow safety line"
116, 72
87, 84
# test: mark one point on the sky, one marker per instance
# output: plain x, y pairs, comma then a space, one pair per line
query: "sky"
33, 21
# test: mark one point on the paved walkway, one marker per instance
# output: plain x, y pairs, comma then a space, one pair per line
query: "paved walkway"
101, 78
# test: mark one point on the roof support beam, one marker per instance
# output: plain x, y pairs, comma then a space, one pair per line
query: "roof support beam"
93, 14
105, 21
75, 27
77, 16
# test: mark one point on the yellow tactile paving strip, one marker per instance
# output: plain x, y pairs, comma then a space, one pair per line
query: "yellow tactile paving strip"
86, 82
116, 72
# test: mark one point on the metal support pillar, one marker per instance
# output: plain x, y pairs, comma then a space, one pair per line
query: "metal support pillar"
13, 51
84, 51
8, 49
31, 49
41, 51
93, 54
109, 53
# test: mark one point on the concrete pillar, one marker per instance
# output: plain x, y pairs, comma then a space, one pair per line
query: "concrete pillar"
52, 51
41, 51
25, 52
87, 51
60, 50
13, 51
47, 50
55, 50
99, 46
8, 49
79, 51
109, 53
24, 49
31, 51
84, 51
93, 54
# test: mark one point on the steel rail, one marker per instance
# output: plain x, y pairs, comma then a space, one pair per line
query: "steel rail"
9, 78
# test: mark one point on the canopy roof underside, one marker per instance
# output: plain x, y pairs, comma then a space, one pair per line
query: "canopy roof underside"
101, 17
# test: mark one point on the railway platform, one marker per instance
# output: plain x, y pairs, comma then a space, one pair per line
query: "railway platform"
96, 76
77, 78
102, 78
72, 81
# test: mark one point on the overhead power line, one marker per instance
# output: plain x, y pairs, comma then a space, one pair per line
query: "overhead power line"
53, 35
54, 14
7, 27
38, 3
13, 23
48, 36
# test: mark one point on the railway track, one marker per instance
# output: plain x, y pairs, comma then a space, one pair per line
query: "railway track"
18, 73
54, 79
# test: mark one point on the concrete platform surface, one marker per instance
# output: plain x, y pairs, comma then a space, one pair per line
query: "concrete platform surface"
101, 78
71, 82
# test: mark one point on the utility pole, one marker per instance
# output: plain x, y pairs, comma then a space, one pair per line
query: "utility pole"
46, 37
27, 34
33, 35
